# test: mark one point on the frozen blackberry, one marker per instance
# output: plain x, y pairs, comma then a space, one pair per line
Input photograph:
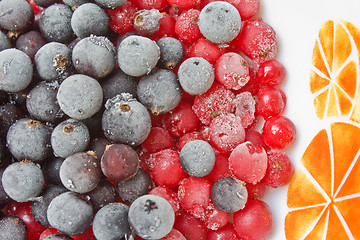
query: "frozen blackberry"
70, 213
41, 102
29, 139
160, 91
111, 222
103, 194
80, 172
53, 61
89, 19
58, 237
171, 52
51, 169
125, 120
17, 70
147, 22
229, 194
151, 216
137, 55
16, 16
197, 158
4, 198
110, 3
40, 205
9, 114
13, 228
69, 137
30, 43
94, 56
55, 23
75, 3
196, 75
23, 181
118, 82
4, 41
219, 22
80, 96
134, 187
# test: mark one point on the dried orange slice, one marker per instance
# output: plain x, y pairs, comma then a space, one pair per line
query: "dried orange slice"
324, 194
334, 78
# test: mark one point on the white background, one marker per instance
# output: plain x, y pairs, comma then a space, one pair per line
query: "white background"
297, 24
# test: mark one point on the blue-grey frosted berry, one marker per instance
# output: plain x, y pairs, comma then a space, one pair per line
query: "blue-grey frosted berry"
30, 43
81, 172
151, 216
94, 56
110, 3
171, 52
219, 22
80, 96
4, 198
70, 213
89, 19
41, 102
16, 70
13, 228
111, 222
29, 139
16, 15
4, 41
196, 75
137, 55
55, 23
53, 61
58, 236
160, 91
197, 158
125, 120
69, 137
75, 3
51, 169
118, 82
103, 194
23, 181
134, 187
147, 22
229, 194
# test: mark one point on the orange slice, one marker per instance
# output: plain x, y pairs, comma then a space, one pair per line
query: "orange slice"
334, 78
324, 194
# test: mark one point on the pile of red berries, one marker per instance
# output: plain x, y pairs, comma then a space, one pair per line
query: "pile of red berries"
214, 80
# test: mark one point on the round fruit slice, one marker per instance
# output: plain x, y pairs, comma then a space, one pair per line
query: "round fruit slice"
324, 194
334, 79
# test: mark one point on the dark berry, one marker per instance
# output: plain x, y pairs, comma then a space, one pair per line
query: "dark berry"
30, 43
51, 170
110, 3
75, 3
147, 22
171, 52
4, 41
16, 16
103, 194
4, 198
13, 228
59, 237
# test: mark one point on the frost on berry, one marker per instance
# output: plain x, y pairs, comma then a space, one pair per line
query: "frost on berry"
245, 108
216, 101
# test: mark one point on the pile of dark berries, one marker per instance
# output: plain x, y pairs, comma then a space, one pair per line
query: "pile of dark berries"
139, 119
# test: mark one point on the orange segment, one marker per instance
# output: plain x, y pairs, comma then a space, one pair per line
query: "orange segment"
347, 79
342, 47
335, 228
354, 32
352, 183
326, 39
349, 211
317, 160
333, 109
355, 116
298, 222
344, 102
302, 192
346, 142
320, 103
318, 61
318, 231
317, 82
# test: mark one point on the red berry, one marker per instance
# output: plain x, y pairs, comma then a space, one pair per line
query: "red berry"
225, 233
36, 8
257, 40
183, 4
255, 138
145, 161
271, 102
279, 171
207, 50
232, 71
167, 26
254, 222
245, 108
216, 101
121, 18
87, 235
226, 132
166, 169
279, 132
187, 137
194, 195
256, 191
186, 27
150, 4
158, 139
47, 232
221, 168
181, 120
214, 218
271, 73
192, 228
248, 162
169, 195
174, 235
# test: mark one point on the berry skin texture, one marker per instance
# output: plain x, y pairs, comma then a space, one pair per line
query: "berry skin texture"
248, 162
186, 26
215, 218
219, 22
187, 137
205, 49
147, 22
13, 228
271, 102
191, 227
169, 195
158, 139
183, 4
271, 73
225, 233
16, 15
279, 132
254, 222
121, 18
